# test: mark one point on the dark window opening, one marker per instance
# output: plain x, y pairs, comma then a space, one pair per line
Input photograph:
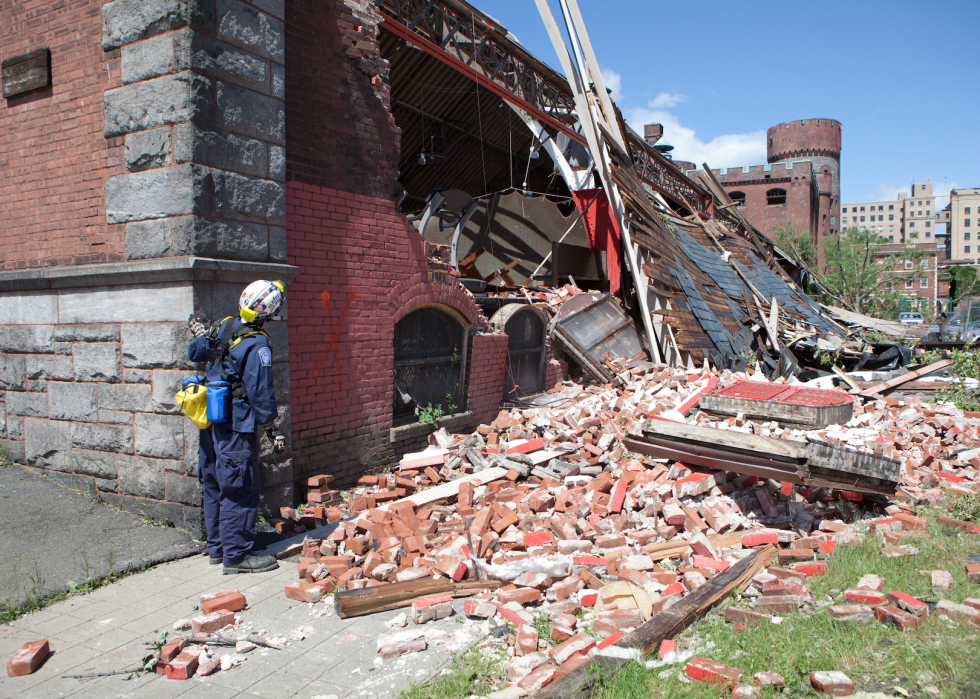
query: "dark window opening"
429, 361
526, 332
776, 197
738, 198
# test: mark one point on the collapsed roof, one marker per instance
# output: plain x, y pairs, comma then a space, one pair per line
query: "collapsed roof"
479, 113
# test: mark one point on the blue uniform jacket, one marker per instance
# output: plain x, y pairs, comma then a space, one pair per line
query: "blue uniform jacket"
251, 362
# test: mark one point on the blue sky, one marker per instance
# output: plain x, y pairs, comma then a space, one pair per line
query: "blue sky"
903, 79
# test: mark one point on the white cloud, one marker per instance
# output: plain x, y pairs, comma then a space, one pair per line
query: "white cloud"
613, 81
888, 192
728, 150
666, 100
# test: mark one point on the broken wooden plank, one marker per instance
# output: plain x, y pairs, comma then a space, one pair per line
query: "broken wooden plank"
905, 378
579, 683
847, 379
673, 549
801, 463
384, 598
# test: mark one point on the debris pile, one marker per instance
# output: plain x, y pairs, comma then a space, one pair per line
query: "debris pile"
557, 530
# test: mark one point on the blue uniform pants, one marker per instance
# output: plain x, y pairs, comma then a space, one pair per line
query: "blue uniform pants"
228, 467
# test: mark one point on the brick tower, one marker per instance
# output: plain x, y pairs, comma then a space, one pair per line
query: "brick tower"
818, 140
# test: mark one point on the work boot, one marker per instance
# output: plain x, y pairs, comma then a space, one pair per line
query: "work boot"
252, 564
216, 560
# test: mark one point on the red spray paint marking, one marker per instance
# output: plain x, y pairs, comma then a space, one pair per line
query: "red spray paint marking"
335, 325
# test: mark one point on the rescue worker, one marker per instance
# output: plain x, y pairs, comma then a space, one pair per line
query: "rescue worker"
237, 350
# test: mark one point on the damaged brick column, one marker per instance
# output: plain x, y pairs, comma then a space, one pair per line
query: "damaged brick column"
364, 264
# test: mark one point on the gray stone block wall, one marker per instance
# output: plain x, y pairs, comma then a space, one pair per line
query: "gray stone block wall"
203, 115
95, 399
89, 366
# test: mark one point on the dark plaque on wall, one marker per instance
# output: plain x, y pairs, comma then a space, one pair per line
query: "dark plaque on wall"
27, 72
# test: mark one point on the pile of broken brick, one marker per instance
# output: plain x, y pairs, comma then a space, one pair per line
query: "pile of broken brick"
597, 541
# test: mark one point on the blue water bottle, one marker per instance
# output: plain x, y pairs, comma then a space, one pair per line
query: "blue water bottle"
219, 401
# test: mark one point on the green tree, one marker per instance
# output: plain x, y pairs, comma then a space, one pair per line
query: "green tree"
797, 243
861, 277
963, 282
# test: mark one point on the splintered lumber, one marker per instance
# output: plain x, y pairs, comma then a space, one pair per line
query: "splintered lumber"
812, 463
384, 598
905, 378
579, 683
673, 549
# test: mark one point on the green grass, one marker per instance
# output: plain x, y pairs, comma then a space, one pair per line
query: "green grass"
36, 600
472, 672
876, 657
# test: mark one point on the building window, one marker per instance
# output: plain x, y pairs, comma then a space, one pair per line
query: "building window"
776, 197
923, 262
966, 223
891, 217
928, 212
908, 264
928, 234
966, 249
891, 238
862, 219
738, 198
924, 283
881, 217
908, 284
966, 235
912, 224
862, 208
429, 345
966, 210
844, 220
928, 224
891, 207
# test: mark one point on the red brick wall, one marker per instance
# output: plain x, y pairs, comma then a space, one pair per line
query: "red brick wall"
803, 137
487, 370
339, 131
802, 206
53, 157
363, 268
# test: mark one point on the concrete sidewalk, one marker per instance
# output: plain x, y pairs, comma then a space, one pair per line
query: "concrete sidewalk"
106, 630
52, 534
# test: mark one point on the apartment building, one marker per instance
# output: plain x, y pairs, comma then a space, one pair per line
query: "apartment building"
962, 219
911, 218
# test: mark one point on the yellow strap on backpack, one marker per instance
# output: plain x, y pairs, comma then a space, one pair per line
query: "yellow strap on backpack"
193, 402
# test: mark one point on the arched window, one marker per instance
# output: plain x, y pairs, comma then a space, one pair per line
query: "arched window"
526, 329
429, 362
776, 197
738, 198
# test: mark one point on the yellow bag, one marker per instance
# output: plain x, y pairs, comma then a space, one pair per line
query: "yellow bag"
193, 402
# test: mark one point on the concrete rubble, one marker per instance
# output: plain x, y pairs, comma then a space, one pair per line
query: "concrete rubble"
592, 541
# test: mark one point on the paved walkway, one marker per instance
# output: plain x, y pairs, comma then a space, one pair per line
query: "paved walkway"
50, 534
106, 630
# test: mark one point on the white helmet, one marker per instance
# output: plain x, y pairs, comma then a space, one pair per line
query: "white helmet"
261, 300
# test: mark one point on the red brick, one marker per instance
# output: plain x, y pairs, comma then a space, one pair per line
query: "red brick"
184, 665
711, 672
232, 602
28, 658
836, 684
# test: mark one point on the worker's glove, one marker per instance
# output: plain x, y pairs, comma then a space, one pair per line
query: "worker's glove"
196, 327
278, 441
